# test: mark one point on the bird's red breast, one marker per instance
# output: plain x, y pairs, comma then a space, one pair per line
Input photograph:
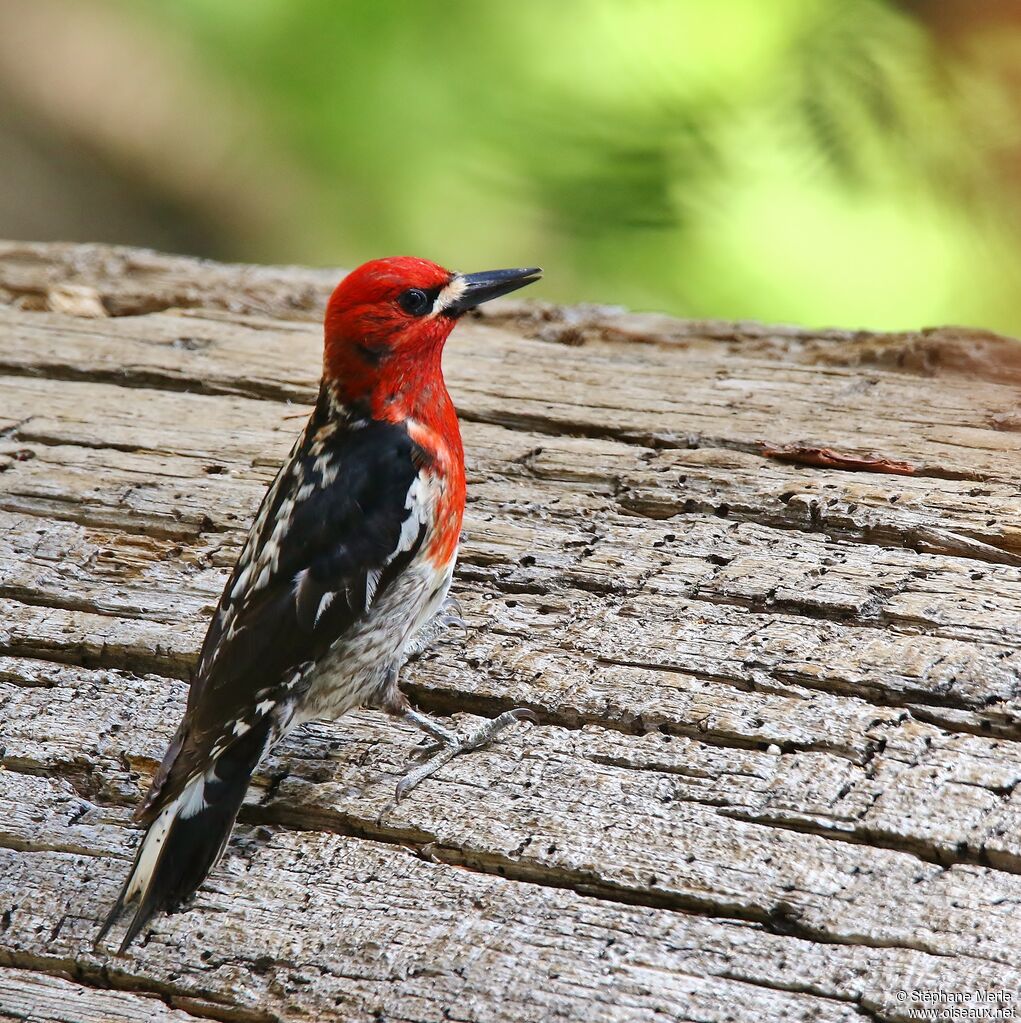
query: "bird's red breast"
383, 356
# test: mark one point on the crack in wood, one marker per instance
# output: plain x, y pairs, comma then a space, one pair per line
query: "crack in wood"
113, 979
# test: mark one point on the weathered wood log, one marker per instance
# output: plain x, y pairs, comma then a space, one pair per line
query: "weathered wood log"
776, 775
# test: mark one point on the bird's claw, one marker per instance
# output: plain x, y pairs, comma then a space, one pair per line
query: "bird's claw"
452, 614
448, 748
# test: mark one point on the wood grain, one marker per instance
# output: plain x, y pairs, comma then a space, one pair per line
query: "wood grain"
776, 771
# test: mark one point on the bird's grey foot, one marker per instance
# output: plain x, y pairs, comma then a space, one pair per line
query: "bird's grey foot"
449, 744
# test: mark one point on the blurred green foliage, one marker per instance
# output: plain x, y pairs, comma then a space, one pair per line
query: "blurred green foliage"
797, 160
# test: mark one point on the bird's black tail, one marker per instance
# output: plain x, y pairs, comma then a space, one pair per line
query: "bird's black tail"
188, 836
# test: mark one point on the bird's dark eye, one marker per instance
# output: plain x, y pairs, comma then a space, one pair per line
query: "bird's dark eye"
414, 301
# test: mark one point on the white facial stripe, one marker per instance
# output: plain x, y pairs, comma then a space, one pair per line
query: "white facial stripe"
451, 293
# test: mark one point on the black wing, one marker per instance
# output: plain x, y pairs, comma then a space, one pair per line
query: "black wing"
333, 531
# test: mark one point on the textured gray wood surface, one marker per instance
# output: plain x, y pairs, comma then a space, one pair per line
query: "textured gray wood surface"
776, 775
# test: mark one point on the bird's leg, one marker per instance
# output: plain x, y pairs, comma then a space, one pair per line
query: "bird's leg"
452, 744
443, 736
448, 744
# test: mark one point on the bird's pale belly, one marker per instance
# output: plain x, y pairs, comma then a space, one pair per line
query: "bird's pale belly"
357, 668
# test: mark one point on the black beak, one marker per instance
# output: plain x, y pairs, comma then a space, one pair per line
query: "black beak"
481, 287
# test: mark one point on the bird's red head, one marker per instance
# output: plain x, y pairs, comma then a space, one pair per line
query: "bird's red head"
386, 324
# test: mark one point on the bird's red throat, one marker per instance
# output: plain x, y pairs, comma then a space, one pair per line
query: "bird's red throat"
401, 381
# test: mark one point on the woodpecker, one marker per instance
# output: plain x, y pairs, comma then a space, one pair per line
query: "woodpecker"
350, 556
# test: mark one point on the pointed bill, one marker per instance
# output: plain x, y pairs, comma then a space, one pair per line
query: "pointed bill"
466, 291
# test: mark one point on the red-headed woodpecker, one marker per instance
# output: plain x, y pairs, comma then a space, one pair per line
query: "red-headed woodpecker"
350, 555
